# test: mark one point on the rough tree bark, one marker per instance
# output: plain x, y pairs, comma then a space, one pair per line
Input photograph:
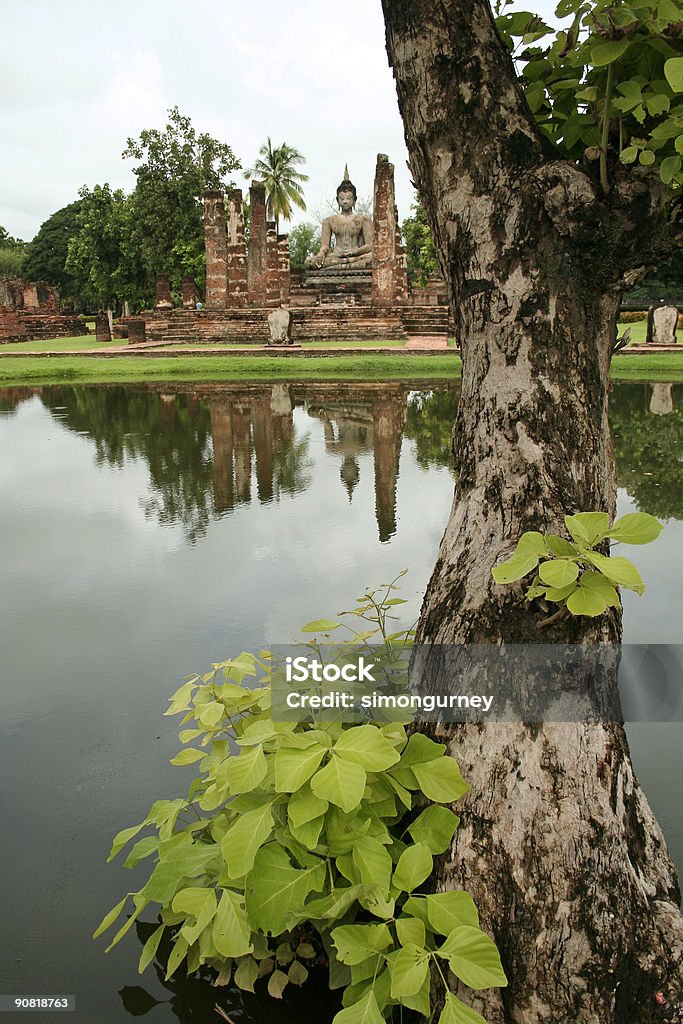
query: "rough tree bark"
557, 844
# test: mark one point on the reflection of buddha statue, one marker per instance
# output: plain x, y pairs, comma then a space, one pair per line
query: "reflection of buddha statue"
352, 234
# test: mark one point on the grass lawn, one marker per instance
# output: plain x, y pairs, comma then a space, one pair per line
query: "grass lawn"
217, 368
61, 344
370, 367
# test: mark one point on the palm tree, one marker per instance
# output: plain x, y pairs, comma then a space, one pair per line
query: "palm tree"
276, 169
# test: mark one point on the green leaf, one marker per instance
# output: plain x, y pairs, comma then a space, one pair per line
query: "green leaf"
356, 942
181, 699
558, 573
365, 745
416, 906
143, 848
586, 602
308, 834
436, 827
341, 782
596, 583
473, 958
373, 862
559, 594
408, 971
198, 903
365, 1011
514, 568
231, 932
211, 714
414, 865
188, 756
420, 749
246, 771
455, 1012
411, 930
560, 547
179, 858
304, 806
647, 157
607, 53
149, 950
449, 910
275, 891
109, 918
588, 528
277, 983
629, 154
440, 780
621, 571
670, 168
178, 953
297, 973
293, 766
140, 902
122, 837
320, 626
243, 839
673, 70
636, 527
246, 974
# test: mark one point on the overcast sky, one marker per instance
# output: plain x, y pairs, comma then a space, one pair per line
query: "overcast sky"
77, 78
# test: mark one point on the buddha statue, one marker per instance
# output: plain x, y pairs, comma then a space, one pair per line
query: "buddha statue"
351, 233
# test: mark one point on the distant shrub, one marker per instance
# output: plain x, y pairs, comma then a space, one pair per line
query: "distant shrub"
632, 316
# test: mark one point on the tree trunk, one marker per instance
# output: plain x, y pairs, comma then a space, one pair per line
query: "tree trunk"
557, 844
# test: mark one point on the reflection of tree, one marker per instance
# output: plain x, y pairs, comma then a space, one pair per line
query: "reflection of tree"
12, 398
648, 449
429, 423
191, 448
171, 433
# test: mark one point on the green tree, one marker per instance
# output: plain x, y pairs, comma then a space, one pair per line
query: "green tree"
420, 251
550, 184
276, 168
102, 258
46, 253
12, 251
304, 240
176, 166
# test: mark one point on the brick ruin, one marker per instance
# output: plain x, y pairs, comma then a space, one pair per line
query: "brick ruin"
245, 281
29, 311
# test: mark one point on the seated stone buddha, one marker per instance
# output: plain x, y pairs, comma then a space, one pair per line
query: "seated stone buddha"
346, 237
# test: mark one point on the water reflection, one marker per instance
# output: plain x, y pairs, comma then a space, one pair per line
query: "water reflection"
205, 447
101, 612
647, 432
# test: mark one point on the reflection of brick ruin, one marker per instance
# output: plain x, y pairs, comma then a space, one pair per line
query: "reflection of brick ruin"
332, 304
29, 311
252, 428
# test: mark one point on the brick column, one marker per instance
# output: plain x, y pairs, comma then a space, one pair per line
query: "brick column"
162, 286
136, 331
237, 250
102, 330
386, 287
273, 265
284, 268
216, 243
257, 266
190, 292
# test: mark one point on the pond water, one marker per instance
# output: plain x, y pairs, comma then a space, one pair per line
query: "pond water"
148, 531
